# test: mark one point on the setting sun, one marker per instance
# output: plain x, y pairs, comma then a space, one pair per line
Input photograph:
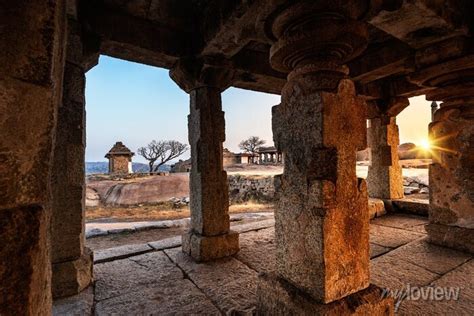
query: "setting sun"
425, 144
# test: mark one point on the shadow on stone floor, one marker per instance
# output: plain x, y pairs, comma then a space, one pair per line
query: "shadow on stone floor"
164, 280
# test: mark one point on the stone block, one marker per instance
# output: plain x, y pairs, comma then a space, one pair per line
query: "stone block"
24, 261
166, 243
71, 277
431, 257
451, 236
205, 248
376, 208
120, 252
412, 206
278, 297
80, 304
389, 272
391, 237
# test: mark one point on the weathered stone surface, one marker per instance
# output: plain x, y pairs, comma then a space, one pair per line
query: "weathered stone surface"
80, 304
391, 272
377, 250
71, 277
457, 281
205, 248
166, 243
391, 237
376, 208
384, 180
258, 250
405, 221
278, 297
451, 174
433, 258
120, 277
120, 252
32, 42
147, 284
243, 228
68, 173
451, 236
412, 206
325, 212
209, 195
236, 290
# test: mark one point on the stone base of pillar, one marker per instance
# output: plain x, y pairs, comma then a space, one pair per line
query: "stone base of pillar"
278, 297
455, 237
71, 277
206, 248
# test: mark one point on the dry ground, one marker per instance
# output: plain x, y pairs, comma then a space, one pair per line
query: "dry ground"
161, 211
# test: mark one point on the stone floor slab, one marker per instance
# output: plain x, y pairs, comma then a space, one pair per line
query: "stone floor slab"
392, 273
461, 280
133, 274
80, 304
228, 283
169, 297
258, 250
391, 237
376, 250
166, 243
404, 221
431, 257
120, 252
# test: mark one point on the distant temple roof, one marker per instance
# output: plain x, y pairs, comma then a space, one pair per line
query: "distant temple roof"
119, 149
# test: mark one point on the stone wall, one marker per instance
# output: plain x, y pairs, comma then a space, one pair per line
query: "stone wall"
250, 188
119, 164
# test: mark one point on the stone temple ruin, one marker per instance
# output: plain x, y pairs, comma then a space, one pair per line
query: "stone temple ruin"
335, 63
120, 159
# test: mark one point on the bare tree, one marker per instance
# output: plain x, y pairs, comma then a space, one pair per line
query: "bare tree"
251, 145
161, 151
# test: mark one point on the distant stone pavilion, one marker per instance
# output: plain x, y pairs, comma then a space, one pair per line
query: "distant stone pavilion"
120, 159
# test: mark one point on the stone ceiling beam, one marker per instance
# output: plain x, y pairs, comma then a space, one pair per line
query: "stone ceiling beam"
138, 39
230, 25
382, 60
422, 22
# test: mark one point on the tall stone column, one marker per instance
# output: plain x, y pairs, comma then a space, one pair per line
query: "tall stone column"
71, 260
32, 45
451, 175
210, 236
322, 221
384, 180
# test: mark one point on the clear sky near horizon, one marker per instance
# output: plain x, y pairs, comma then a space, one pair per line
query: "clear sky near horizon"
136, 103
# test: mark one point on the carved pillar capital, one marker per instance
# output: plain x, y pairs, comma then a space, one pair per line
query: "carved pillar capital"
314, 41
192, 73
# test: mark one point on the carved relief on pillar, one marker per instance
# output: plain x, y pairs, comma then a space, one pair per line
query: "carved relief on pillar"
321, 216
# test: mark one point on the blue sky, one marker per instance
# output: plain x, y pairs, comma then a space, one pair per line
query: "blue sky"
136, 103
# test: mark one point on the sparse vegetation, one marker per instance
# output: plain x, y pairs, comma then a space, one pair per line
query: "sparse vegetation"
161, 151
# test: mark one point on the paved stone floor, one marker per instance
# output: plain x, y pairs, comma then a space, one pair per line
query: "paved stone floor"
157, 278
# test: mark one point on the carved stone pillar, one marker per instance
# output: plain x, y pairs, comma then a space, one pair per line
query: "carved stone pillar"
384, 180
322, 221
451, 174
31, 59
71, 261
210, 236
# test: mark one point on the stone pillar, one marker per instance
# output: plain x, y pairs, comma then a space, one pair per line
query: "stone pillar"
71, 261
451, 175
384, 180
32, 41
210, 236
321, 216
434, 108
